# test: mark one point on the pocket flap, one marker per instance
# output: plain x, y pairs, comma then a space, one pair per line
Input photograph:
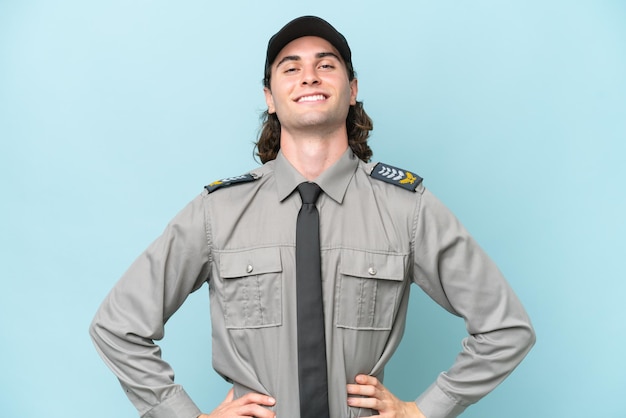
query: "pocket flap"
250, 262
372, 265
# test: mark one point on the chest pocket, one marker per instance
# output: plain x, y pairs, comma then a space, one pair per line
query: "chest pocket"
252, 289
369, 290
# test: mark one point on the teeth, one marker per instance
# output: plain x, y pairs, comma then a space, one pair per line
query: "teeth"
311, 98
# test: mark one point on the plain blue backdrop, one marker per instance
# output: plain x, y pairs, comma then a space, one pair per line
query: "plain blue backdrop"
114, 114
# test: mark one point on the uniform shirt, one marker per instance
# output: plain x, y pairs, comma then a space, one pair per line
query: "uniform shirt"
376, 239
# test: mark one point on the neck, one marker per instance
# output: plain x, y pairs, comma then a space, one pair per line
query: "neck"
312, 154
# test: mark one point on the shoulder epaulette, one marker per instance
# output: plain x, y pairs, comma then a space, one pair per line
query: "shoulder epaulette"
396, 176
229, 181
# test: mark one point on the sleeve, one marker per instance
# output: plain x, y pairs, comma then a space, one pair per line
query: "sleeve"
455, 272
134, 313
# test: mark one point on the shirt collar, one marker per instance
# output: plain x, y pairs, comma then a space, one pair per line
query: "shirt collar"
333, 181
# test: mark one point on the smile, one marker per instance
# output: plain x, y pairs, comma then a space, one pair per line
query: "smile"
313, 98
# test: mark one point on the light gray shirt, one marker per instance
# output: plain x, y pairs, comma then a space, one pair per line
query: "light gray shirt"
376, 239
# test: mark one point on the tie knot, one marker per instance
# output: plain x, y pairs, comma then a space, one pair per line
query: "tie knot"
309, 192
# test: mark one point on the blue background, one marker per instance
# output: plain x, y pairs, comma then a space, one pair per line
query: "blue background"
114, 114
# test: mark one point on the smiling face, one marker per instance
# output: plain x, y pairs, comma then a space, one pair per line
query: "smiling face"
309, 87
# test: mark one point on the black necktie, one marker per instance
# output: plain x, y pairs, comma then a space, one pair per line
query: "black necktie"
311, 339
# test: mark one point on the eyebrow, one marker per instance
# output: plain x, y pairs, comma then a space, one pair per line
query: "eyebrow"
298, 58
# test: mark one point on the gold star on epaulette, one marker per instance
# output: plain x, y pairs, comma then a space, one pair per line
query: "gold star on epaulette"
396, 176
229, 181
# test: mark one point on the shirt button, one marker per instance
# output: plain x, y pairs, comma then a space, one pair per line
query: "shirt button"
372, 271
249, 268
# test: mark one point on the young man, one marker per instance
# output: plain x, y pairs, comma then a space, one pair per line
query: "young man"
376, 230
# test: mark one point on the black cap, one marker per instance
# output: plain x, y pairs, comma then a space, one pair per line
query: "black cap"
307, 26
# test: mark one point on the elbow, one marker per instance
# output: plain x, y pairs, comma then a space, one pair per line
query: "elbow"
526, 340
531, 338
93, 331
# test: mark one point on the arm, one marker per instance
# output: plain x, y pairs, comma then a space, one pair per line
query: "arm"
453, 270
134, 313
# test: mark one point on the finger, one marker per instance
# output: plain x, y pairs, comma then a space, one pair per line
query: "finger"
366, 385
370, 403
229, 396
254, 410
256, 399
364, 379
249, 405
363, 390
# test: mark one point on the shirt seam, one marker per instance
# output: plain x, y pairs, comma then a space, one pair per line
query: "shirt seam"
413, 244
323, 248
207, 229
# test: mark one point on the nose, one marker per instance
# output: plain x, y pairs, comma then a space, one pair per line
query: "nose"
309, 76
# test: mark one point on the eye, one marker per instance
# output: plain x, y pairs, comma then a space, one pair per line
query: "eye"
327, 66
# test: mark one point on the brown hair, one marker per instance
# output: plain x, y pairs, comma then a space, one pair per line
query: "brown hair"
358, 126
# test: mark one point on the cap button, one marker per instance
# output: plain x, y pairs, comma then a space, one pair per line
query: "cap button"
249, 268
372, 271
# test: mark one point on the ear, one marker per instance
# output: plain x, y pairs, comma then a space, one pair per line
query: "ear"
354, 89
269, 100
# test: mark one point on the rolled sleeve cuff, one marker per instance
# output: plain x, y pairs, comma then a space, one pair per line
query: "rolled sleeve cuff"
434, 403
178, 405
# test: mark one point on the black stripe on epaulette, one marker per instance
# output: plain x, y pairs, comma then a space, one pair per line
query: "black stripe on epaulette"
396, 176
229, 181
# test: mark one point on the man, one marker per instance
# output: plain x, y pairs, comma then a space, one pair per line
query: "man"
379, 230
